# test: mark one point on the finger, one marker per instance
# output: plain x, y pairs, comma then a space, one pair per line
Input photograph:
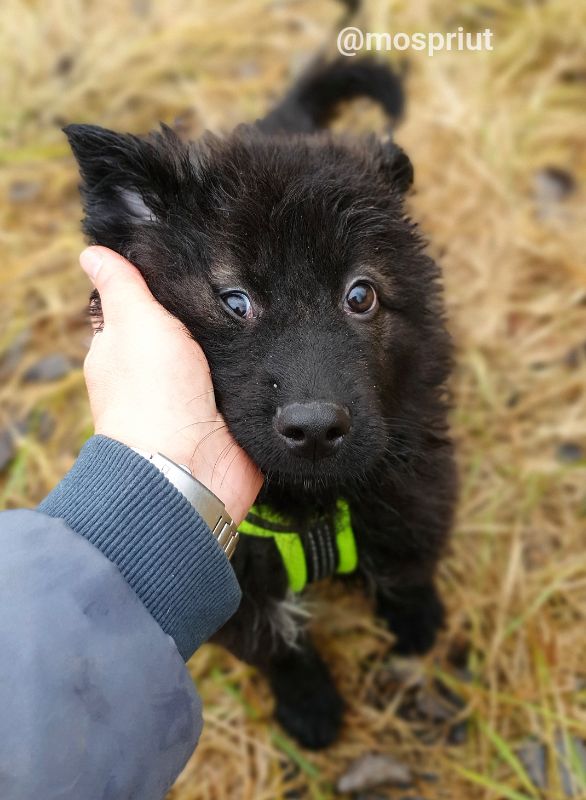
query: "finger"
119, 283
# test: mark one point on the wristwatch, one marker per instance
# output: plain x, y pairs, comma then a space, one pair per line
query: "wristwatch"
209, 507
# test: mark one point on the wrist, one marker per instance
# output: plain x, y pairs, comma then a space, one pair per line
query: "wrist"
221, 482
209, 507
216, 461
216, 476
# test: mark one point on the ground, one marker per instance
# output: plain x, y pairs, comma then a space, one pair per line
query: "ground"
497, 139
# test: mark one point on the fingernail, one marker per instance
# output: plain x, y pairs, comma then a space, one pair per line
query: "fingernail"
91, 262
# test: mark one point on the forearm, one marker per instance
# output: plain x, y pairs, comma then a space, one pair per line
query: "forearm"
124, 506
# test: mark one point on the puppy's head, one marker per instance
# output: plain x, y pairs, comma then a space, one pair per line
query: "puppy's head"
292, 263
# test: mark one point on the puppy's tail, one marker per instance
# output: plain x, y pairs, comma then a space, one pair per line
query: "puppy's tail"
313, 101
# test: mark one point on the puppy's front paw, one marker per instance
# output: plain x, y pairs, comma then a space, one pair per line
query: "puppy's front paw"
312, 715
415, 620
416, 633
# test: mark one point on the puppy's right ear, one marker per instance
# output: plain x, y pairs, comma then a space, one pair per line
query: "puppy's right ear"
127, 181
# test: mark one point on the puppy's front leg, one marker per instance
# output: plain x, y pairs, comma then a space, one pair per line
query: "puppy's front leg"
400, 537
307, 703
268, 636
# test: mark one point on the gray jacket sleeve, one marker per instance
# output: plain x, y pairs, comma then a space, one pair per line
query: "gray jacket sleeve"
103, 593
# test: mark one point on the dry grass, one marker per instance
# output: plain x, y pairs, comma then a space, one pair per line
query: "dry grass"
480, 125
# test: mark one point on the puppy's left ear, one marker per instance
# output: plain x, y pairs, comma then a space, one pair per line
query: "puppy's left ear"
396, 166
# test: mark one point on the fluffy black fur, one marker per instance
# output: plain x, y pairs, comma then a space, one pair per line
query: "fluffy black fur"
292, 215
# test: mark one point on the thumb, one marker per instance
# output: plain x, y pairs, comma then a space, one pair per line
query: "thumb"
119, 283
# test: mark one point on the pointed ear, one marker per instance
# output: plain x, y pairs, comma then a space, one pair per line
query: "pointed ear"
127, 181
397, 166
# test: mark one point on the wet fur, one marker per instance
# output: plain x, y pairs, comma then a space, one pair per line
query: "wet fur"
292, 214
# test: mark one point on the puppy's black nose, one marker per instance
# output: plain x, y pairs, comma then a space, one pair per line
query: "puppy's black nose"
313, 430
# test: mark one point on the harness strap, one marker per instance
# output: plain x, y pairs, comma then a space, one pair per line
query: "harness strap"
325, 548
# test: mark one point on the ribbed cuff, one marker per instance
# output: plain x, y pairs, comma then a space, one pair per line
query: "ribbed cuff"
126, 508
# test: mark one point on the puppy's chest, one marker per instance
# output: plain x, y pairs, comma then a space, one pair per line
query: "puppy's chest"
312, 544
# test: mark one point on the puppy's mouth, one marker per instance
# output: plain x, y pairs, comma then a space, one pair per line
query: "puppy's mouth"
325, 473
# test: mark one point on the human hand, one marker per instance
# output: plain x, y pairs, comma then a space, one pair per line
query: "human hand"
149, 385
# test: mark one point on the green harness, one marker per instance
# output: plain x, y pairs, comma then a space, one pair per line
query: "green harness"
326, 547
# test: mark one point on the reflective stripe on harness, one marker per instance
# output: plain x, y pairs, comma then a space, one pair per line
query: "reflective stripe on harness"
326, 547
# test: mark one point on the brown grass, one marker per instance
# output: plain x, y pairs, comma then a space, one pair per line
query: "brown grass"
480, 126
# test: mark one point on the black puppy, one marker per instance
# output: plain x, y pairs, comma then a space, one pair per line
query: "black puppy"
287, 253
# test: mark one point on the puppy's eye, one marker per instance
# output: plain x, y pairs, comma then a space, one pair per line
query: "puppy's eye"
239, 304
361, 298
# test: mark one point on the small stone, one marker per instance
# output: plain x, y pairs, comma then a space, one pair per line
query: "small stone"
552, 184
49, 368
13, 354
64, 64
7, 449
576, 356
569, 453
373, 770
532, 754
24, 191
45, 426
563, 744
458, 734
40, 423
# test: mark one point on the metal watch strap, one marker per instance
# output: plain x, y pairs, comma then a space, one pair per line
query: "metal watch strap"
209, 507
